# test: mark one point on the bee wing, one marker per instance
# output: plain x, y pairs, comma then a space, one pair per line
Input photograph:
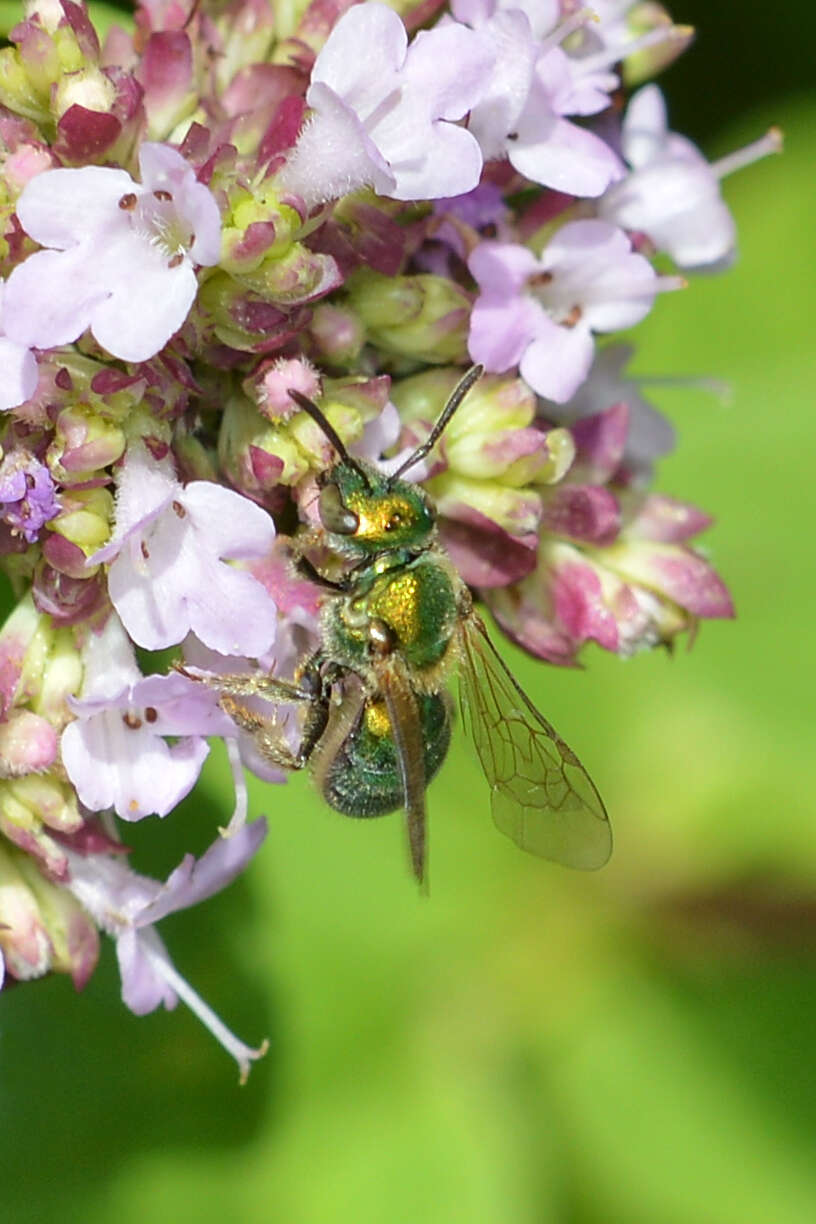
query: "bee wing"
540, 793
405, 724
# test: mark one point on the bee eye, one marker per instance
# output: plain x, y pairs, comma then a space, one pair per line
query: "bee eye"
334, 515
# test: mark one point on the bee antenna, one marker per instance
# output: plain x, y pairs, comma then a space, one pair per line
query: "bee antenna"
328, 429
454, 400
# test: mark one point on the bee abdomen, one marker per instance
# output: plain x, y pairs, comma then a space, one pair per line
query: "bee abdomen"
364, 778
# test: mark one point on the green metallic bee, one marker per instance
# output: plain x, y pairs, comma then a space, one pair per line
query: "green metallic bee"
396, 622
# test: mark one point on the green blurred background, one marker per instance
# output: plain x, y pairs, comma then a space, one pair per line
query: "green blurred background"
526, 1046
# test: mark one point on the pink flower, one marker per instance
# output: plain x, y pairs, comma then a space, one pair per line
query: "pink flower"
540, 314
125, 905
386, 118
672, 193
122, 258
169, 576
533, 86
115, 752
614, 565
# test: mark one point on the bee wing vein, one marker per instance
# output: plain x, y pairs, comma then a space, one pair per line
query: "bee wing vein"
541, 795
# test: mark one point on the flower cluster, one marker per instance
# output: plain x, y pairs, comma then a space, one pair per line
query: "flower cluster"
227, 202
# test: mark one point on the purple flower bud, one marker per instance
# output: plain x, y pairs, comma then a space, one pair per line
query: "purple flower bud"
27, 495
66, 599
165, 73
585, 513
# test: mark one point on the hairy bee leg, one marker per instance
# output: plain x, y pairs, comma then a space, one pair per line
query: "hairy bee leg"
265, 732
253, 684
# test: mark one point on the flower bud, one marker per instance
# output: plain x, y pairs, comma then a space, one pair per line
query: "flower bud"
258, 227
670, 572
166, 76
68, 599
255, 454
517, 511
296, 276
49, 13
24, 941
39, 669
643, 64
84, 442
62, 678
85, 518
589, 514
271, 383
259, 454
249, 40
26, 641
88, 88
20, 166
73, 936
423, 317
30, 72
29, 806
244, 320
17, 92
491, 435
27, 742
338, 333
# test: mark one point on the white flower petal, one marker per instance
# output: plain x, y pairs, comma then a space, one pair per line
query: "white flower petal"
231, 612
558, 154
644, 127
146, 487
363, 80
18, 381
557, 361
50, 298
334, 154
147, 306
60, 208
232, 525
143, 989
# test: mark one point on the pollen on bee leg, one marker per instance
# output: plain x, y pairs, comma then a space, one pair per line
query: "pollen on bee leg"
267, 733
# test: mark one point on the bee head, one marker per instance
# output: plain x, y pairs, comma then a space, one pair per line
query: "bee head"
373, 513
369, 512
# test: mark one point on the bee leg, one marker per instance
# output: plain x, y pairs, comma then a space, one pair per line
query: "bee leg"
253, 684
265, 731
317, 717
304, 567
